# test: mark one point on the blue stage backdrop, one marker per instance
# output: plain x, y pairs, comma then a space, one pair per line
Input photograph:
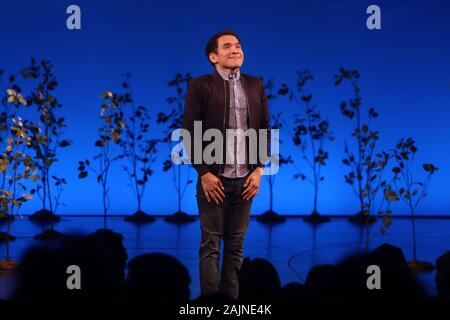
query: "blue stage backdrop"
405, 70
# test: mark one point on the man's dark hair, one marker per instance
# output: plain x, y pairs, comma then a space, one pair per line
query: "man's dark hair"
212, 44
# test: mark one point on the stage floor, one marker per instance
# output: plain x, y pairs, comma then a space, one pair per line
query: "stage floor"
293, 246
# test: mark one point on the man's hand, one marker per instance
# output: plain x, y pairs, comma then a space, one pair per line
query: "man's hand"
212, 186
252, 183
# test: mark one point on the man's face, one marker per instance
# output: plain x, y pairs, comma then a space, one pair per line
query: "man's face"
229, 53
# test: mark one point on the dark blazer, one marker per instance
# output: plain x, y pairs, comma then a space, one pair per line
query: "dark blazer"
208, 100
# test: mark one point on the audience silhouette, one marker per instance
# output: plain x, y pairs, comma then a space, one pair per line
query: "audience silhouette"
101, 256
157, 276
443, 276
258, 279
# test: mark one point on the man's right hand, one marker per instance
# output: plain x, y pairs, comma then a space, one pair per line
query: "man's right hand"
213, 187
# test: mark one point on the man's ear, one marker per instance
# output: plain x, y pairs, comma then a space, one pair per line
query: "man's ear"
213, 57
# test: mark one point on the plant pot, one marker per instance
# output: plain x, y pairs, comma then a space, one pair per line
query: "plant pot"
361, 218
417, 266
44, 216
180, 217
270, 217
6, 217
7, 265
4, 237
315, 217
140, 217
49, 235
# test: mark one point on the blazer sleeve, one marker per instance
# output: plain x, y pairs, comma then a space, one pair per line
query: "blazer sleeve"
193, 112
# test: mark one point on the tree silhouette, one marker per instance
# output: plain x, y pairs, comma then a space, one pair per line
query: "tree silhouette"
270, 216
410, 190
366, 169
310, 134
174, 120
138, 149
282, 160
18, 167
12, 100
110, 134
47, 137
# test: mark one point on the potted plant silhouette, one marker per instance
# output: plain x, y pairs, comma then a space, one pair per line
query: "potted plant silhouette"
110, 133
311, 132
270, 216
12, 100
19, 167
47, 139
174, 120
138, 150
411, 191
366, 168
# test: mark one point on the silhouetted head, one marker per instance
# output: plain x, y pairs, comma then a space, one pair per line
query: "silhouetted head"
224, 51
443, 275
98, 279
110, 244
49, 272
292, 291
157, 276
397, 279
258, 279
390, 258
38, 275
390, 267
351, 277
321, 281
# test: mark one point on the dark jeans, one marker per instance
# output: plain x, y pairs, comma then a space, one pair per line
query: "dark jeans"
228, 220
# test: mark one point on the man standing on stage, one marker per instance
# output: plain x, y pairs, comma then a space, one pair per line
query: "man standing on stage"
229, 101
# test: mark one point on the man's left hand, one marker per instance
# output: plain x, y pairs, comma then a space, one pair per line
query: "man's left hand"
251, 185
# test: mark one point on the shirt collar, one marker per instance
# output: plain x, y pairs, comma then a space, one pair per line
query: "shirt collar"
226, 75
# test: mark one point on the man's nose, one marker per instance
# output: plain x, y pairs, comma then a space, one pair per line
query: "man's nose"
236, 50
